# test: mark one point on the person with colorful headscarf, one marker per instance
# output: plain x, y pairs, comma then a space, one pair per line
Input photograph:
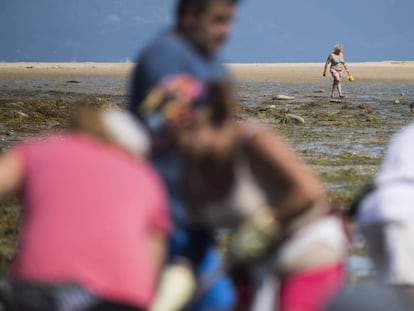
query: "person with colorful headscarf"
247, 178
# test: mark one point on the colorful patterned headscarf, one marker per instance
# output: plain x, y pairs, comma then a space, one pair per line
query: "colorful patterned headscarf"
172, 104
175, 98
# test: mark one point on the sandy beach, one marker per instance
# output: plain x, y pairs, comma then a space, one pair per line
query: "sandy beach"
387, 70
313, 71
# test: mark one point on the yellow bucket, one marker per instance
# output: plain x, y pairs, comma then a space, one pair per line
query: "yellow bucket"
350, 78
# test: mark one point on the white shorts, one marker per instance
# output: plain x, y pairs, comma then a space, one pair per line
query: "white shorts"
336, 73
391, 247
318, 244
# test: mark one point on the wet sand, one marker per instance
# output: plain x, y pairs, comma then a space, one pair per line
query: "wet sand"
387, 70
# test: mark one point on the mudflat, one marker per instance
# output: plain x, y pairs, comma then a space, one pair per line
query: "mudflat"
343, 140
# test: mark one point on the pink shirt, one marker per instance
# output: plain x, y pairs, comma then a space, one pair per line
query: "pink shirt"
89, 210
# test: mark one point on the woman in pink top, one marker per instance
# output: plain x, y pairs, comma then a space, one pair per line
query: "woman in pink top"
94, 212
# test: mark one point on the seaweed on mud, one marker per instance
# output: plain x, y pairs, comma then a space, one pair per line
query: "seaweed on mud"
329, 122
9, 231
35, 116
368, 108
340, 198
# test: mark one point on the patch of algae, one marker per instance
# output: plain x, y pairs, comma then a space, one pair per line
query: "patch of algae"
35, 116
9, 231
344, 159
323, 133
351, 182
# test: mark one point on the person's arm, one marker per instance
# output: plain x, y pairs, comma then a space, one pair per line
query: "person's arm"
157, 248
328, 60
175, 288
345, 66
176, 283
299, 187
11, 173
292, 189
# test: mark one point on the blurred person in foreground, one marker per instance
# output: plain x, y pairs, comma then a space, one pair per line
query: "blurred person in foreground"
95, 217
336, 60
385, 214
173, 108
275, 204
247, 178
191, 47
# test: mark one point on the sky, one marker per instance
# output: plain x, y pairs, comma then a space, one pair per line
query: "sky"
265, 31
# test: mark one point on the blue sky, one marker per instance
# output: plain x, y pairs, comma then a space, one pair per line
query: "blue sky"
265, 30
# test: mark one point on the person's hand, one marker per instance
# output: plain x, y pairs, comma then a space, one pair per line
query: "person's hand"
252, 240
176, 287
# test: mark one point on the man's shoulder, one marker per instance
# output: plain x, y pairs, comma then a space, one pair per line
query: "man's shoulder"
171, 54
166, 44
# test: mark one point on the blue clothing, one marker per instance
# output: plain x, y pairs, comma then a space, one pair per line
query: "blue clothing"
169, 55
220, 293
337, 62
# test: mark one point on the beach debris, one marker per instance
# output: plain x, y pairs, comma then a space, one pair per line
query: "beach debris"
72, 81
398, 99
283, 97
22, 114
368, 108
319, 91
289, 118
271, 106
8, 133
335, 100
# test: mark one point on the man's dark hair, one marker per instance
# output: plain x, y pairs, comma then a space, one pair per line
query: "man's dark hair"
197, 7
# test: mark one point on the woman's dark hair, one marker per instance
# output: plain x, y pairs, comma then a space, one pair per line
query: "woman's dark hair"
221, 100
196, 7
